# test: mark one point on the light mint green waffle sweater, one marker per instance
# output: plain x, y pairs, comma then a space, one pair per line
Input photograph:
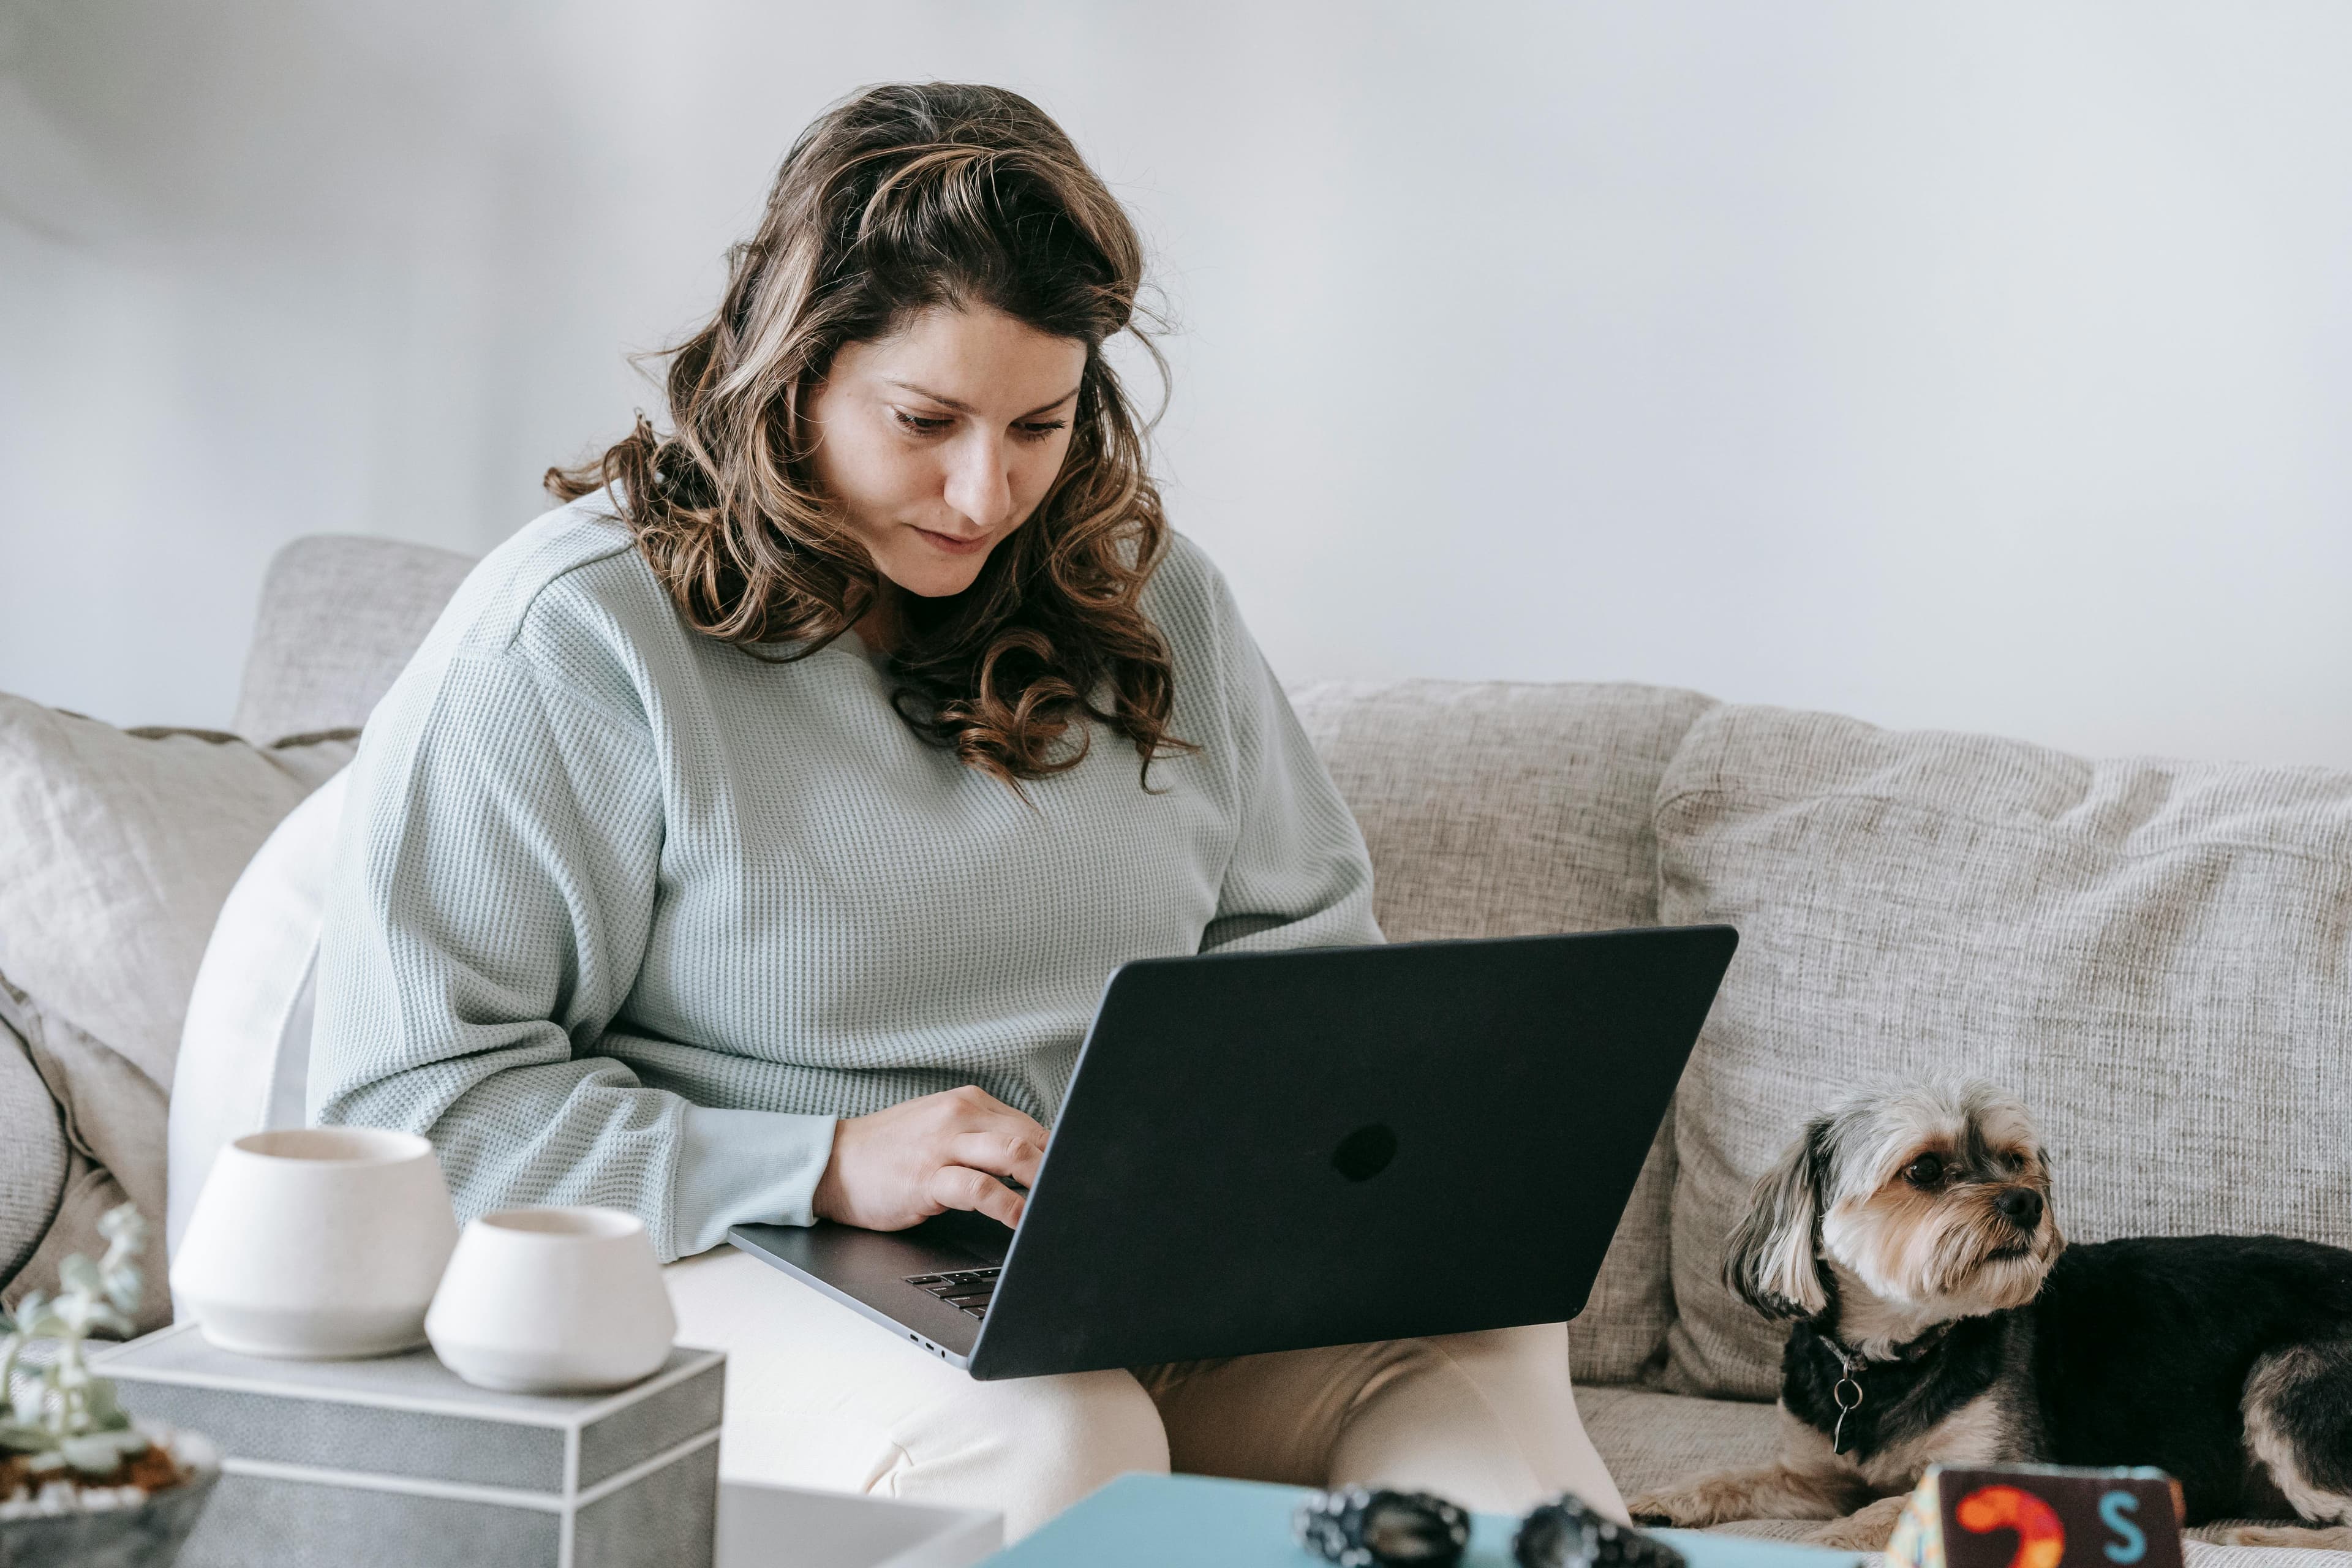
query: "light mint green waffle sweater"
621, 914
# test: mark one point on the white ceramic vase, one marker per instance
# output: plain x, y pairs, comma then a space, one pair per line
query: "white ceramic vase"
552, 1300
316, 1243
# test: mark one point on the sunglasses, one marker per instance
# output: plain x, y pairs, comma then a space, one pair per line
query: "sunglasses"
1372, 1527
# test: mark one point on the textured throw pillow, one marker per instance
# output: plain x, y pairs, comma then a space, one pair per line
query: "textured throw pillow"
244, 1052
1496, 809
2156, 956
117, 848
32, 1154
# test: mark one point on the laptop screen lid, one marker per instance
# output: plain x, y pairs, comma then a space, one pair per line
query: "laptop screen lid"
1264, 1152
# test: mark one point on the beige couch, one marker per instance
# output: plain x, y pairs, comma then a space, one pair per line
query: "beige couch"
2156, 955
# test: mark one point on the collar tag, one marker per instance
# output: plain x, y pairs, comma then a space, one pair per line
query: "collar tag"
1848, 1394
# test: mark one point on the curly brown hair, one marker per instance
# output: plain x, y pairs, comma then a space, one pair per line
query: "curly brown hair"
899, 200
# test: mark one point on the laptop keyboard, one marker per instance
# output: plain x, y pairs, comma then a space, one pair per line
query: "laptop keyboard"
967, 1290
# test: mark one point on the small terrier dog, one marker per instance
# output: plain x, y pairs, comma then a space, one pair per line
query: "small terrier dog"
1939, 1315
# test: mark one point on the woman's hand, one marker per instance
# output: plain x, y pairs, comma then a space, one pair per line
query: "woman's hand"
898, 1167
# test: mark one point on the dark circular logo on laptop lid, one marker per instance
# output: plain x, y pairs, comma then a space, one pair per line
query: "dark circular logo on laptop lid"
1365, 1152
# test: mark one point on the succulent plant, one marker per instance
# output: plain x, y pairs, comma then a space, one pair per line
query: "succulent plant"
58, 1415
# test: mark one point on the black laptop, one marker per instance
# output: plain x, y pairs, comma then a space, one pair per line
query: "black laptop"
1265, 1151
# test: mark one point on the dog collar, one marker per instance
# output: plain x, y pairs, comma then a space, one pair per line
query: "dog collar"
1847, 1393
1855, 1361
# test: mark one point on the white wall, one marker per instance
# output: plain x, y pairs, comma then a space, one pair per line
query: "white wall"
1976, 364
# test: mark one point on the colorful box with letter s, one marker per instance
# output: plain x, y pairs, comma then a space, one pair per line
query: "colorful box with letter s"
2039, 1516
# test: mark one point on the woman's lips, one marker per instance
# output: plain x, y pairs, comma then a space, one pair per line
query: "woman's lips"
954, 544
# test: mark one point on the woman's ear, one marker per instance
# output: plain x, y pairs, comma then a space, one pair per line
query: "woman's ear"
1771, 1263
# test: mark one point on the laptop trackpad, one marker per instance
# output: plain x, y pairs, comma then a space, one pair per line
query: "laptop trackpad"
972, 1238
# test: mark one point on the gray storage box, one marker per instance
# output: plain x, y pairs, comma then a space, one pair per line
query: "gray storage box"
393, 1462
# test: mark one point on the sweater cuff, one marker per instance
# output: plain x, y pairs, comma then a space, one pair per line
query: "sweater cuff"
747, 1167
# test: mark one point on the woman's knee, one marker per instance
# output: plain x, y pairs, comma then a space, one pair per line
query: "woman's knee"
1103, 1421
1536, 1352
1027, 1447
1487, 1418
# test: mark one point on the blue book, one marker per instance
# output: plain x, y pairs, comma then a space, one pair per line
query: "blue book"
1200, 1521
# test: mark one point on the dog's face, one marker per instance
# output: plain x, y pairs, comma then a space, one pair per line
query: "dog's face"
1935, 1201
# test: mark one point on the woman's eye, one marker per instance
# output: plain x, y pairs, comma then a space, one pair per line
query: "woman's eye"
1039, 430
1923, 1172
920, 426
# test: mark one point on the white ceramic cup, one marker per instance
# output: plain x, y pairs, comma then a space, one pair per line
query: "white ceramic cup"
316, 1243
552, 1300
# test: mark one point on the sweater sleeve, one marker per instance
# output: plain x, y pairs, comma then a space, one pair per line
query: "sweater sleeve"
490, 906
1300, 875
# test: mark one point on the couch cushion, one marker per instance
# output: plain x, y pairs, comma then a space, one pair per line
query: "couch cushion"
1652, 1441
2197, 1554
32, 1155
339, 618
1496, 809
1506, 810
116, 850
2156, 956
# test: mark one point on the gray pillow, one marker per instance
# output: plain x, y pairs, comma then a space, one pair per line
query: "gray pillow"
117, 848
1499, 809
2156, 955
32, 1155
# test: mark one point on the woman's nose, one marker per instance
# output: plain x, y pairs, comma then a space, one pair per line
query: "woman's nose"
979, 485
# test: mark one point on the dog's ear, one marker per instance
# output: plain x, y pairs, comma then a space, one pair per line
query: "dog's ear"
1771, 1263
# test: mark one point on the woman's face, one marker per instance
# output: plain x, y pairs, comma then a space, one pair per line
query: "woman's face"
939, 440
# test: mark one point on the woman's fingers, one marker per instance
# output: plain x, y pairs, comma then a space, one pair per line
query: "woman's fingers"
1011, 1153
993, 1140
975, 1109
898, 1165
961, 1187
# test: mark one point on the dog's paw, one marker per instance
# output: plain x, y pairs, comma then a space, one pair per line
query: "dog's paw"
1684, 1509
2325, 1538
1864, 1529
1772, 1492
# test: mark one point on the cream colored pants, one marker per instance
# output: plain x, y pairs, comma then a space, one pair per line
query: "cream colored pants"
818, 1396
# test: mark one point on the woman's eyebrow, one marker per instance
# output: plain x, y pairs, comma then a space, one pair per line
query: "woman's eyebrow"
961, 407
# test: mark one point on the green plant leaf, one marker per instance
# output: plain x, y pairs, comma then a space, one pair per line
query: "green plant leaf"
80, 1276
64, 1412
95, 1453
103, 1413
124, 1286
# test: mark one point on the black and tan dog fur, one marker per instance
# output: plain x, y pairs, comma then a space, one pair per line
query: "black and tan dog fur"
1910, 1232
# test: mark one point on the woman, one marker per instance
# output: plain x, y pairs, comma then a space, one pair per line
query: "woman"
752, 838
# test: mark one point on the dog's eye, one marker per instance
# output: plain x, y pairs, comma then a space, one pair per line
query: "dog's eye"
1925, 1172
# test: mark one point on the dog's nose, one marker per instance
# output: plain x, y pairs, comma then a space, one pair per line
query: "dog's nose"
2021, 1206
